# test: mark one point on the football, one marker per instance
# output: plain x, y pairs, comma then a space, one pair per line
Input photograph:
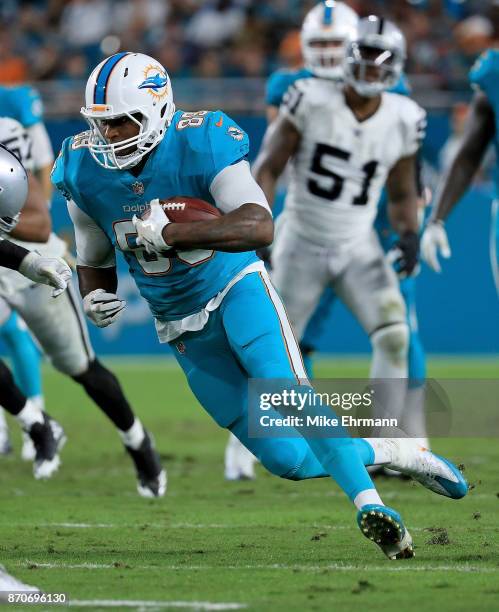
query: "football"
182, 209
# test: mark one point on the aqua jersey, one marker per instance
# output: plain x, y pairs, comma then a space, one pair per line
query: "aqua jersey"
279, 82
196, 147
484, 75
21, 102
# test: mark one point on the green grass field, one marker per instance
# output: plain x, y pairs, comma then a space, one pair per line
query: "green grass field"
264, 545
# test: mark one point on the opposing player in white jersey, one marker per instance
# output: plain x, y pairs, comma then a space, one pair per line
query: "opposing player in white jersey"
345, 141
45, 433
61, 331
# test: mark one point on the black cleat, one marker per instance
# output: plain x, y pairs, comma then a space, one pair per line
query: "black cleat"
48, 439
151, 476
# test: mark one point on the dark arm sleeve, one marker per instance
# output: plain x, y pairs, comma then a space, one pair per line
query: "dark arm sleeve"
11, 255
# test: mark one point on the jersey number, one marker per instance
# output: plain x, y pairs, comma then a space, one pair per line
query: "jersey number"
334, 191
192, 119
152, 264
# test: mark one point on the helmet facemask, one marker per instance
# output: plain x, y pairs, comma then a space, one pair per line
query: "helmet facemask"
7, 224
114, 156
324, 57
372, 69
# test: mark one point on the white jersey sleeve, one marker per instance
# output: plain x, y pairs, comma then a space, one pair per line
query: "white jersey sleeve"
235, 186
295, 102
413, 125
93, 248
43, 154
14, 137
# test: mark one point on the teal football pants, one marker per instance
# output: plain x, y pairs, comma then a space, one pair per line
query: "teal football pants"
249, 336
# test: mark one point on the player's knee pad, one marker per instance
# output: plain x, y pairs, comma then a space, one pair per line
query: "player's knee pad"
71, 365
393, 341
390, 305
283, 458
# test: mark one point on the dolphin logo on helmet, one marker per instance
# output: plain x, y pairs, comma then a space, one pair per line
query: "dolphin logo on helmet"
155, 82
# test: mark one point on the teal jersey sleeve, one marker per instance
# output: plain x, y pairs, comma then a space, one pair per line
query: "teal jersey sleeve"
22, 103
214, 141
31, 106
279, 82
57, 175
65, 170
484, 74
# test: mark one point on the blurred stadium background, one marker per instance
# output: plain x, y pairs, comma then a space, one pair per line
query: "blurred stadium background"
219, 54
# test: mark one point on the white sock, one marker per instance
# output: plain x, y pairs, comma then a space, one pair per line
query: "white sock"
368, 496
39, 400
134, 436
3, 420
30, 415
382, 450
414, 418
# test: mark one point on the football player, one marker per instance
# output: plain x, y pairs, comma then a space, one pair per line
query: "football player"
46, 434
211, 297
23, 103
481, 130
324, 34
317, 33
346, 140
60, 329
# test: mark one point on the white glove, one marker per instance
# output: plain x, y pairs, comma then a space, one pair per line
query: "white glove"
150, 230
102, 308
51, 271
433, 242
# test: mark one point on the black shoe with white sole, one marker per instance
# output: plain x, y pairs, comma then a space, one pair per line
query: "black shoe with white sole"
48, 439
151, 476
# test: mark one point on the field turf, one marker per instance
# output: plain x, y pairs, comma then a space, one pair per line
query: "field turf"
266, 545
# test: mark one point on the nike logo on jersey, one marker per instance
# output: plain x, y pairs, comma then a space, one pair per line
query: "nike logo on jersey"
219, 122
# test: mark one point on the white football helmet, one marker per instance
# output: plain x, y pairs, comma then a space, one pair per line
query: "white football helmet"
379, 44
132, 85
13, 189
327, 23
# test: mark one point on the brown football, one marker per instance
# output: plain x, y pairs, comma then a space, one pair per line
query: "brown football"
182, 209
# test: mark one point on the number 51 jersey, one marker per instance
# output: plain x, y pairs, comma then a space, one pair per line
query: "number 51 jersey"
342, 164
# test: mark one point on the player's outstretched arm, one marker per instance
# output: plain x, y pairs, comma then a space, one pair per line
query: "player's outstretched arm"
35, 223
479, 131
46, 270
402, 185
280, 143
